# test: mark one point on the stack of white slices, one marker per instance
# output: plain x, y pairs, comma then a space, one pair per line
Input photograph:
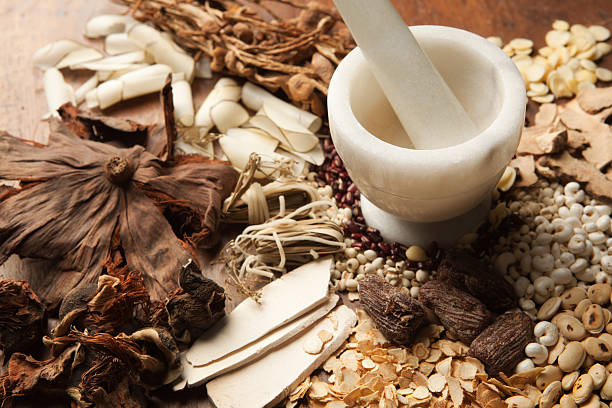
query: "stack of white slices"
259, 352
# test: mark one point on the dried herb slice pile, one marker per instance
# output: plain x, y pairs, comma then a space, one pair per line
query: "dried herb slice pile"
77, 195
297, 56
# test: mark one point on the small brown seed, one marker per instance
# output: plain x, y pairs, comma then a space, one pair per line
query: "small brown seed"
581, 307
551, 395
598, 349
568, 380
598, 374
600, 293
567, 401
549, 308
572, 357
606, 389
593, 319
547, 375
571, 328
571, 297
519, 401
592, 402
583, 388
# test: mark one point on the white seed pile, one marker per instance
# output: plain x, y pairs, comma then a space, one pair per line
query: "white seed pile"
566, 242
565, 65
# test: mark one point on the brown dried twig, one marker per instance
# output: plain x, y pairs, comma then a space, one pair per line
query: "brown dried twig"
283, 54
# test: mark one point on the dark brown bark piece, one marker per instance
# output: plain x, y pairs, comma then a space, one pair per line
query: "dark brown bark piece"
22, 317
463, 316
100, 128
395, 313
199, 304
501, 346
70, 214
470, 274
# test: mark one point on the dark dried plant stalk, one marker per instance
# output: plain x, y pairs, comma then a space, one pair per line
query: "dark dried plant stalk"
297, 55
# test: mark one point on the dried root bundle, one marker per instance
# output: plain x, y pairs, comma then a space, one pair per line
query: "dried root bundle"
254, 203
268, 249
296, 55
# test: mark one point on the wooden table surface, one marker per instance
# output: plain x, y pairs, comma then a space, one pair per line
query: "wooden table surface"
29, 24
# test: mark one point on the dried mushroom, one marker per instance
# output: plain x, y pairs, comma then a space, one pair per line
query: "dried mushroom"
77, 196
196, 306
21, 317
295, 55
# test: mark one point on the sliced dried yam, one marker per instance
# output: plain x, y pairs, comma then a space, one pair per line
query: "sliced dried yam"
226, 89
57, 91
183, 103
49, 55
299, 138
143, 35
164, 53
109, 93
106, 24
262, 122
144, 81
557, 38
228, 114
119, 43
253, 97
314, 156
455, 391
91, 83
115, 62
238, 146
121, 70
78, 57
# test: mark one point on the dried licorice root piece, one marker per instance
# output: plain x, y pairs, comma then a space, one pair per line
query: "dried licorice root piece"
21, 317
500, 346
470, 274
396, 314
196, 306
464, 316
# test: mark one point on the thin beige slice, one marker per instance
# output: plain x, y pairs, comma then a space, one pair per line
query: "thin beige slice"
183, 103
281, 301
253, 97
78, 57
49, 55
105, 24
300, 138
119, 43
228, 114
194, 376
57, 91
279, 372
